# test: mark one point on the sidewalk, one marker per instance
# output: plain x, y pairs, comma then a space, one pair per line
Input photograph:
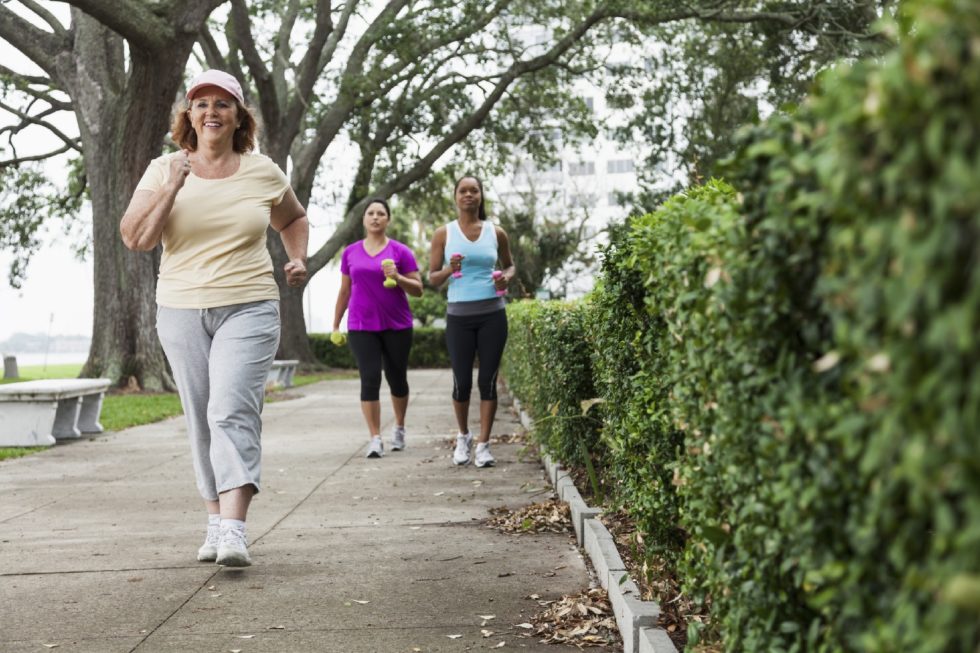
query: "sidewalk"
98, 540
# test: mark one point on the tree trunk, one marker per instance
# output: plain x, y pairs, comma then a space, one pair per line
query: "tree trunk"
294, 342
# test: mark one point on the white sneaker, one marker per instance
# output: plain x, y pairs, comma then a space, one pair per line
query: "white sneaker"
483, 456
233, 549
377, 448
398, 438
461, 456
209, 550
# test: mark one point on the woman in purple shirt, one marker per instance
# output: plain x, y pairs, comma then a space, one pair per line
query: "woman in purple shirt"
379, 323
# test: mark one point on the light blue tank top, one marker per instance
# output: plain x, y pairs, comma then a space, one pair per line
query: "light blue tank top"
480, 258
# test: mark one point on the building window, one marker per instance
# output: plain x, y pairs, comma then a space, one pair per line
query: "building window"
582, 200
581, 168
589, 103
620, 166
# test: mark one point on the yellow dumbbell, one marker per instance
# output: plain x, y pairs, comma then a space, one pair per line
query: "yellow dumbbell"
338, 338
389, 282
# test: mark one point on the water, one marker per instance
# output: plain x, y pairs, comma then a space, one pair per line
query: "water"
53, 358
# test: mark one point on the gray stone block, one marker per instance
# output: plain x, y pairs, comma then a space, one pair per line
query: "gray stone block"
10, 367
526, 421
580, 512
655, 640
631, 613
601, 548
565, 487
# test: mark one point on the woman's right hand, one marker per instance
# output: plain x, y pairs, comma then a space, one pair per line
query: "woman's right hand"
180, 167
456, 263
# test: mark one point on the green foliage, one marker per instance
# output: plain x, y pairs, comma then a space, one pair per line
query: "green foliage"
700, 81
546, 364
796, 353
548, 251
27, 200
428, 350
637, 319
430, 306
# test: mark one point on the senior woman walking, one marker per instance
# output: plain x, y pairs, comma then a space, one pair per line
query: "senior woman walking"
209, 205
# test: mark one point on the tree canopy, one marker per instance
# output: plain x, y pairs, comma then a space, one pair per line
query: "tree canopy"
403, 86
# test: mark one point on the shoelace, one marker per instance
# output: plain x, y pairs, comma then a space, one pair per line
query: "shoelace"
233, 537
214, 535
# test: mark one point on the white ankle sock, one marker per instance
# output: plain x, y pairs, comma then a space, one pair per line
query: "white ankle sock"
214, 520
237, 524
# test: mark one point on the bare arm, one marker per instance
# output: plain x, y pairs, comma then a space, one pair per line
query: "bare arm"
506, 260
146, 216
438, 271
411, 283
289, 219
343, 300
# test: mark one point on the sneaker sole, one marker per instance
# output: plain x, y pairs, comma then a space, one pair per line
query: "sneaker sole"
481, 466
234, 561
207, 556
375, 455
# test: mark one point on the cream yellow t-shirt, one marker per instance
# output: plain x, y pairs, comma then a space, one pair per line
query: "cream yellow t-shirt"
214, 250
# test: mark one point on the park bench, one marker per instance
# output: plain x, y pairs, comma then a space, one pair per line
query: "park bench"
281, 374
36, 413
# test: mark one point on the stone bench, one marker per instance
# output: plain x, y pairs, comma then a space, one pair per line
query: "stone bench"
37, 413
281, 374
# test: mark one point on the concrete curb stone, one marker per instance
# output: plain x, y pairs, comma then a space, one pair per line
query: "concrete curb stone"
635, 619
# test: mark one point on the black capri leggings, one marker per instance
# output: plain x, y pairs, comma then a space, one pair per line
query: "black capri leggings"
375, 350
467, 336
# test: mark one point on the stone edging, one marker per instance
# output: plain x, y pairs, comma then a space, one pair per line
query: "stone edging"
636, 619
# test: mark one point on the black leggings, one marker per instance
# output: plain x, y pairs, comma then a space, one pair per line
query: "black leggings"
467, 336
375, 350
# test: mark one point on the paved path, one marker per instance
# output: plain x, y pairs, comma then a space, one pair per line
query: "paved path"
98, 538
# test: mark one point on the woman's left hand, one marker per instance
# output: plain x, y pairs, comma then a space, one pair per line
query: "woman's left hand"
295, 273
500, 281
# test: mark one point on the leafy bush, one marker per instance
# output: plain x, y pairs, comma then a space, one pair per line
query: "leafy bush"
790, 363
546, 364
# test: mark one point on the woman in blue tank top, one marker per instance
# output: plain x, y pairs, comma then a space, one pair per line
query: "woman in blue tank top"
465, 252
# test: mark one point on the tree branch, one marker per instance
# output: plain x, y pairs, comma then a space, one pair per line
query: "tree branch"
23, 84
35, 120
241, 24
212, 53
459, 131
37, 45
37, 157
46, 16
131, 19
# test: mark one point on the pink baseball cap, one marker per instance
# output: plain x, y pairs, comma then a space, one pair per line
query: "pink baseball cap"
217, 78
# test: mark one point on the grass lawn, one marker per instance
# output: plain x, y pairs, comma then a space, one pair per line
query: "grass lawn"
120, 411
35, 372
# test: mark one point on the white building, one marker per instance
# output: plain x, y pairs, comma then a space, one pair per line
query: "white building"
582, 185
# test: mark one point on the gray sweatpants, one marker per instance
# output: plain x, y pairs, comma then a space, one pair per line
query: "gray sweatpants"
220, 359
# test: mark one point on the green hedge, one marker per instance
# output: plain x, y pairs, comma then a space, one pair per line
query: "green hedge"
428, 350
790, 363
546, 364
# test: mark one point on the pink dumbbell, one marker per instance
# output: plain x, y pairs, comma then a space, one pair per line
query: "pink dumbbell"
496, 275
458, 273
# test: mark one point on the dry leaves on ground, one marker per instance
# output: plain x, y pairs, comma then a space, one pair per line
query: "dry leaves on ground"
656, 580
585, 620
551, 516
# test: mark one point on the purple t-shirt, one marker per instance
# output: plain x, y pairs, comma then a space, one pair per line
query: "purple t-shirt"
373, 307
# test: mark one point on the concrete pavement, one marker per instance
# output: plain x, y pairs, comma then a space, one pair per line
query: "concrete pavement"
98, 540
